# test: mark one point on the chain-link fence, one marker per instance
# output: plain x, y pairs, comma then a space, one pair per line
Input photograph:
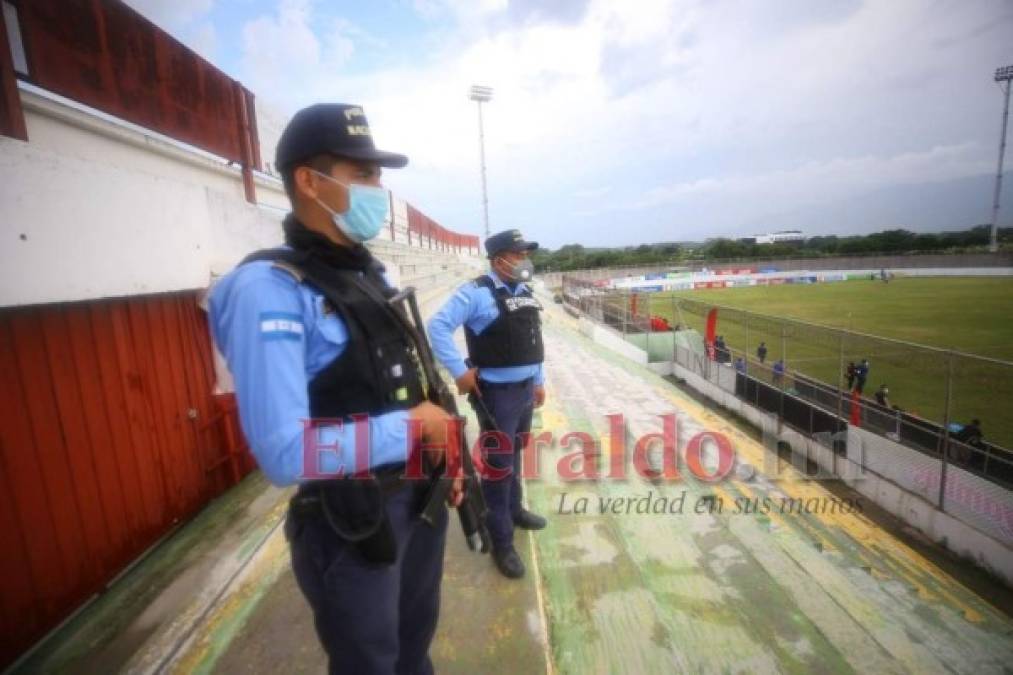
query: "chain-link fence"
923, 397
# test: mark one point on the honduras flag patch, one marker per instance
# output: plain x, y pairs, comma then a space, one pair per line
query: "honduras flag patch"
280, 326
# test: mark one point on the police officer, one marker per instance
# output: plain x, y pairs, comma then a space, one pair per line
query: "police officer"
503, 333
308, 335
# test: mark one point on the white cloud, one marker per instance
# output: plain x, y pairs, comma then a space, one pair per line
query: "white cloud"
814, 182
663, 100
171, 14
465, 12
204, 40
186, 20
592, 193
280, 46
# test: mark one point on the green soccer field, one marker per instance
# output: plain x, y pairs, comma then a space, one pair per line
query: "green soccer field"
972, 315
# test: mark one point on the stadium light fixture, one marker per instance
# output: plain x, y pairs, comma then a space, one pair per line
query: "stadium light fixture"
480, 95
1003, 76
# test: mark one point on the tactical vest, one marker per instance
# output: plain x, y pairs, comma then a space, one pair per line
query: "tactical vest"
378, 371
514, 338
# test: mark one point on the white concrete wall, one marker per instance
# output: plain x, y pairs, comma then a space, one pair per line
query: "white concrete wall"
979, 503
911, 470
661, 367
978, 519
612, 340
91, 207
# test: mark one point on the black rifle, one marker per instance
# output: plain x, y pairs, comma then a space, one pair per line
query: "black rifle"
472, 510
485, 419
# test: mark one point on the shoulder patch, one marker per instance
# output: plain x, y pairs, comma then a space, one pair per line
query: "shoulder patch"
280, 326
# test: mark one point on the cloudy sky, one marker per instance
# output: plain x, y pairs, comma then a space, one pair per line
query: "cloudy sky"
622, 122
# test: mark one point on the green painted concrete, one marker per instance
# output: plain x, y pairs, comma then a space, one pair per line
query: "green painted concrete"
620, 593
732, 592
659, 346
109, 632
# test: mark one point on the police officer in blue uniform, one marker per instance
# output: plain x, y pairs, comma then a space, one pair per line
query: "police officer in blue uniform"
326, 383
502, 328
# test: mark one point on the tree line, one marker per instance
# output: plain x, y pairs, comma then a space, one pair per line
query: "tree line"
575, 256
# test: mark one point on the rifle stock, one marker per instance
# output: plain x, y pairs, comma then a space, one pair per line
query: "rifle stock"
473, 510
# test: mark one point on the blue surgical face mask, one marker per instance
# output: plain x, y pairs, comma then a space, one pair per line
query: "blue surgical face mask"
367, 210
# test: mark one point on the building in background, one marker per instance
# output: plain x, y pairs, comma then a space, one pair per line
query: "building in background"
781, 237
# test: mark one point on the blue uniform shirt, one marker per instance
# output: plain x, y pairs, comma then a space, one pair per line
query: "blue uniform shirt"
475, 307
276, 337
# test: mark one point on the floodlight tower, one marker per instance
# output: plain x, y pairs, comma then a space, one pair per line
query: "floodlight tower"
1002, 75
480, 95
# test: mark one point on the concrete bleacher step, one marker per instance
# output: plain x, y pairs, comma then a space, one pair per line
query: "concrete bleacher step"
686, 591
431, 271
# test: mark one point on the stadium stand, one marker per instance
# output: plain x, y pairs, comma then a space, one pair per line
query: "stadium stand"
140, 538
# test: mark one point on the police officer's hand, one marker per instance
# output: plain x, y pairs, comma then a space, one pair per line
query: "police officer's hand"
539, 395
456, 494
468, 382
434, 421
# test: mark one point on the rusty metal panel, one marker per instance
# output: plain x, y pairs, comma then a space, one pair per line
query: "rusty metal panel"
109, 435
250, 110
438, 235
12, 117
104, 54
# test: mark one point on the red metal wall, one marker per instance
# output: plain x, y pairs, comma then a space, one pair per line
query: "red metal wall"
109, 435
106, 55
12, 118
439, 236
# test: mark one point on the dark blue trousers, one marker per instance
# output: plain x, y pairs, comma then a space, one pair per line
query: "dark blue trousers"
511, 406
372, 619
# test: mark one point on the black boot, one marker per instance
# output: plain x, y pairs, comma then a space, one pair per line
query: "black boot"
508, 562
529, 521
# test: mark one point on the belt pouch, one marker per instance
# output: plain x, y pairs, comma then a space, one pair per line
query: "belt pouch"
354, 508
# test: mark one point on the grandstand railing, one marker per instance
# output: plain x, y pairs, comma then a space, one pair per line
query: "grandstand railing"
830, 410
951, 382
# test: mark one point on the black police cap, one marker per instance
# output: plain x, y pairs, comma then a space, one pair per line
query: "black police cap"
508, 240
335, 128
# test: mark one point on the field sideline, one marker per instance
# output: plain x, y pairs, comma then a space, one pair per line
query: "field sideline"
973, 315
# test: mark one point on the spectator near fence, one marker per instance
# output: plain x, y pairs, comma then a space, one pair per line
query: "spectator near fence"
778, 372
971, 434
659, 324
883, 396
849, 373
861, 375
761, 352
721, 351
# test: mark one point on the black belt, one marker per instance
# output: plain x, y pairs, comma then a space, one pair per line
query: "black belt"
485, 384
306, 501
355, 511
